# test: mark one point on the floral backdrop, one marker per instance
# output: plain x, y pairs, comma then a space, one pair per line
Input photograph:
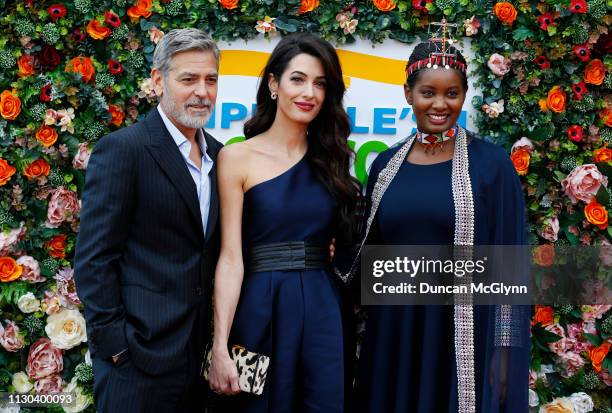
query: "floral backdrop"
72, 71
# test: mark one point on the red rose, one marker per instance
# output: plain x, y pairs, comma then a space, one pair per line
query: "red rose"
545, 20
49, 58
542, 62
112, 19
579, 90
421, 5
57, 246
56, 11
574, 133
114, 67
45, 93
78, 36
578, 6
582, 52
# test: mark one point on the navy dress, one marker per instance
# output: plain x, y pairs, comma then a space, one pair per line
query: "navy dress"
295, 317
407, 360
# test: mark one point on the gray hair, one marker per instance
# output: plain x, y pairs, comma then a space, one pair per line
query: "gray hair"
181, 40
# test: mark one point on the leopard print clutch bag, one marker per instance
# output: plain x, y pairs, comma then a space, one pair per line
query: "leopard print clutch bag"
252, 369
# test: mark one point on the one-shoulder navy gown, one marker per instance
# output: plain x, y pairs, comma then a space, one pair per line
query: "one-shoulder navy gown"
295, 317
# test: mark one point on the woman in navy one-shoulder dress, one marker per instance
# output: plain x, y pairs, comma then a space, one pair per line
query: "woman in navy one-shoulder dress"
285, 193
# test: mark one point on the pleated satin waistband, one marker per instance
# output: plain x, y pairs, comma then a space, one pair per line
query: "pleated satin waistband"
286, 256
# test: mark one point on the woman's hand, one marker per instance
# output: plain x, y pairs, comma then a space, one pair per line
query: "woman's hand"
223, 375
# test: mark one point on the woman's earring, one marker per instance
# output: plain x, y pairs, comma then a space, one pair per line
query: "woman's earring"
273, 95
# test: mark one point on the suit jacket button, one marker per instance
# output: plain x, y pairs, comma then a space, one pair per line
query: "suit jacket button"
198, 291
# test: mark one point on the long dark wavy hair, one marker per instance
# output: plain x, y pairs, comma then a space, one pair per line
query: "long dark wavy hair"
328, 151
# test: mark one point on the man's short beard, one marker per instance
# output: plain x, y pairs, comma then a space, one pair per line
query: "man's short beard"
180, 115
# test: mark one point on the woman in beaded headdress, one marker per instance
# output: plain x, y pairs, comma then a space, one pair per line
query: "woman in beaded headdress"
443, 186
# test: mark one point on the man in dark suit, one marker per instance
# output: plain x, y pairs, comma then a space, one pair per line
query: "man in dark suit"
149, 241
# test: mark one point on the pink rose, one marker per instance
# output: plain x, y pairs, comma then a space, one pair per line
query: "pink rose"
590, 313
81, 159
596, 292
63, 206
155, 34
533, 377
523, 143
550, 230
31, 269
572, 362
51, 303
499, 64
583, 183
10, 337
605, 376
44, 359
49, 384
560, 346
66, 288
10, 238
605, 252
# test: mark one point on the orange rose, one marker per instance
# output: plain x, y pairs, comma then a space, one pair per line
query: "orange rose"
308, 5
46, 135
229, 4
505, 12
6, 171
594, 72
384, 5
26, 65
10, 105
520, 159
57, 246
602, 155
117, 115
556, 99
543, 105
598, 355
142, 8
36, 169
82, 65
544, 255
9, 269
596, 214
544, 315
606, 116
97, 31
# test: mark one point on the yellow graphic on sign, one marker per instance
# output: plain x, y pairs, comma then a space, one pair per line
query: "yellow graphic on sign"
354, 64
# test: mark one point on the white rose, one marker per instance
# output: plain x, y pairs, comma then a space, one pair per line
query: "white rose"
66, 329
80, 402
12, 409
27, 303
21, 382
582, 402
533, 398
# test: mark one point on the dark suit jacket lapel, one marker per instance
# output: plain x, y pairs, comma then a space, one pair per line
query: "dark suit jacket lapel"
213, 212
167, 155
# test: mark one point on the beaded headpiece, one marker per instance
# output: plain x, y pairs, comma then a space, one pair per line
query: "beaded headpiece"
443, 56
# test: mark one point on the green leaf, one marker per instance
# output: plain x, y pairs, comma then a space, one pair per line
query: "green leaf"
610, 231
602, 196
522, 33
552, 30
594, 339
605, 168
